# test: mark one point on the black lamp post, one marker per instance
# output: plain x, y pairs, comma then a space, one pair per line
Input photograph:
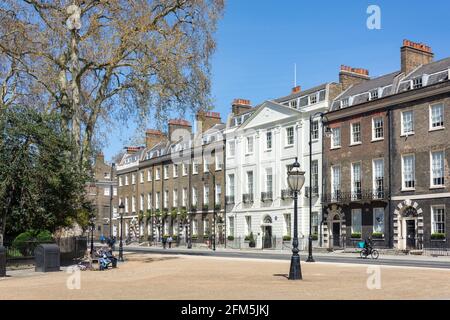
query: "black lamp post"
92, 234
214, 208
121, 210
311, 118
295, 180
111, 191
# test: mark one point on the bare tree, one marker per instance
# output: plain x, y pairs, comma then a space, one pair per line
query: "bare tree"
98, 59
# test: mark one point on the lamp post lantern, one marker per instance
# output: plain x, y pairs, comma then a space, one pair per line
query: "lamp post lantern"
295, 180
121, 210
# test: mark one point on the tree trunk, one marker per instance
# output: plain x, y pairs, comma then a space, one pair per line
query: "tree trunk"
76, 112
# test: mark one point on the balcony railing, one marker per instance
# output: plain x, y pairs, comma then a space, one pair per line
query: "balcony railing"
247, 198
267, 196
287, 194
315, 191
356, 196
229, 199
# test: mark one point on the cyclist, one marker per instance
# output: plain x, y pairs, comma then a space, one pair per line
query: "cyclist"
368, 245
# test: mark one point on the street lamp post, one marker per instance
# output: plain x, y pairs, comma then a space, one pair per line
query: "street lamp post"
311, 118
92, 234
295, 180
214, 207
111, 191
121, 210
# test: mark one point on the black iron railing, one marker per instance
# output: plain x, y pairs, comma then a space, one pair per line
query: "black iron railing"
247, 197
229, 199
314, 189
355, 196
267, 196
287, 194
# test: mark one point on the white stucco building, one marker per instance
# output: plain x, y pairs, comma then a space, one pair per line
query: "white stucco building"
261, 143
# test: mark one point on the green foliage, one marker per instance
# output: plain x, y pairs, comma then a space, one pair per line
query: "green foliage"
377, 235
28, 240
252, 242
315, 237
42, 187
141, 215
286, 238
194, 237
230, 238
438, 236
148, 214
356, 235
183, 215
44, 236
174, 213
164, 214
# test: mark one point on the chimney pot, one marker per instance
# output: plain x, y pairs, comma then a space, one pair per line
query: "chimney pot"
414, 54
296, 89
240, 105
349, 76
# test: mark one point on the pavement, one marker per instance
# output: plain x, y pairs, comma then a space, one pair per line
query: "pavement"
332, 257
192, 277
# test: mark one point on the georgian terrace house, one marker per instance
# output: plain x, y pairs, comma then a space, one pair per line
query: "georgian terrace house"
386, 162
178, 182
262, 142
102, 191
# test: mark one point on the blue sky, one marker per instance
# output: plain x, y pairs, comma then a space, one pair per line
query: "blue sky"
259, 41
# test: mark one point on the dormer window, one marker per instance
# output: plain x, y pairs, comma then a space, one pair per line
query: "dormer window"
344, 103
322, 95
374, 94
313, 99
303, 101
417, 83
293, 104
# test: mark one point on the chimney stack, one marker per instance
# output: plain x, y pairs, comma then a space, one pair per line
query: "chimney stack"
206, 120
132, 149
240, 105
413, 55
349, 76
100, 158
178, 128
296, 89
153, 137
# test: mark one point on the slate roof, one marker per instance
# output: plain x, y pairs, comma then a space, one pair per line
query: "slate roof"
394, 83
301, 93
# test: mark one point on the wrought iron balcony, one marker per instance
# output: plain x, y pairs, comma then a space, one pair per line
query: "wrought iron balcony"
315, 191
267, 196
229, 199
356, 196
247, 197
287, 194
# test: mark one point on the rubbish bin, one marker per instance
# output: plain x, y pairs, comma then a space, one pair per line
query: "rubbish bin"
47, 258
2, 261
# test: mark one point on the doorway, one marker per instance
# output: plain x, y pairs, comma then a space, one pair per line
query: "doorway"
267, 239
410, 234
336, 234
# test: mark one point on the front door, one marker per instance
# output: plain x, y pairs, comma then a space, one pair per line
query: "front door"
267, 243
410, 234
336, 234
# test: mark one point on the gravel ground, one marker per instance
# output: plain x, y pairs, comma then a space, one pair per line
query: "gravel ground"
192, 277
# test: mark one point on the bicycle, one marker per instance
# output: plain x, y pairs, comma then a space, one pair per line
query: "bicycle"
365, 252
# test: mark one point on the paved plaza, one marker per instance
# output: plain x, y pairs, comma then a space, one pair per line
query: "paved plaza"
153, 276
